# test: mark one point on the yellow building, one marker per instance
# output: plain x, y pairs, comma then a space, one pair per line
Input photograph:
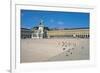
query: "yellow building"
80, 33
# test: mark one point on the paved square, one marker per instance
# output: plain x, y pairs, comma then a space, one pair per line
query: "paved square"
55, 49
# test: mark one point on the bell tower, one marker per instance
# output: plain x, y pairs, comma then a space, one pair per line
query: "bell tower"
41, 29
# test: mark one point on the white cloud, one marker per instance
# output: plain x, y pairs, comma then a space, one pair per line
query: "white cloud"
60, 22
52, 20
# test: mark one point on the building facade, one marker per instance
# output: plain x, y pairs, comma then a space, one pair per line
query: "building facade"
26, 33
40, 32
75, 33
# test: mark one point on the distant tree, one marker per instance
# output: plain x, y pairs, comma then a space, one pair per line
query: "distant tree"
65, 28
46, 28
35, 28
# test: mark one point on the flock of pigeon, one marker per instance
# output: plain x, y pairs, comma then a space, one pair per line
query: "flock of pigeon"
69, 47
